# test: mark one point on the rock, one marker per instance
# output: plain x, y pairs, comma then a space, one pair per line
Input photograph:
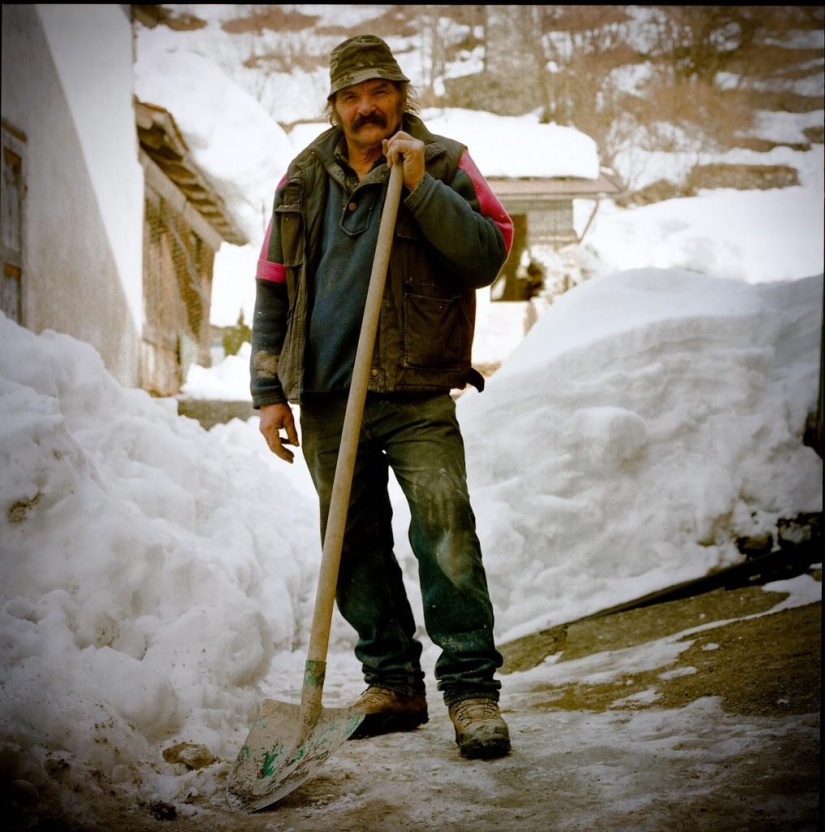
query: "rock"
190, 754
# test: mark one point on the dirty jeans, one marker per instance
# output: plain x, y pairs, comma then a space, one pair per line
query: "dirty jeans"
419, 438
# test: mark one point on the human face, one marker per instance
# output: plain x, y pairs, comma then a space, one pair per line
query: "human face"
369, 112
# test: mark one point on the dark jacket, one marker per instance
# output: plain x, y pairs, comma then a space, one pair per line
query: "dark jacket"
451, 238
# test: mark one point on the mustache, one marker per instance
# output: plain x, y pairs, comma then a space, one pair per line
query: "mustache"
372, 118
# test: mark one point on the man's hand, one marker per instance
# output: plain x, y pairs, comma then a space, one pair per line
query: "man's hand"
402, 147
274, 418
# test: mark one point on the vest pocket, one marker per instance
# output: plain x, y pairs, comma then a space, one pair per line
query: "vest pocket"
432, 332
291, 225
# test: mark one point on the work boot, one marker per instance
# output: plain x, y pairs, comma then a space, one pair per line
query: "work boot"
388, 711
480, 732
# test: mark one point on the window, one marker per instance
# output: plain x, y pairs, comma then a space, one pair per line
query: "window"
11, 197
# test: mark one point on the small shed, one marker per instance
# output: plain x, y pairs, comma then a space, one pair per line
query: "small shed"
543, 217
185, 222
537, 171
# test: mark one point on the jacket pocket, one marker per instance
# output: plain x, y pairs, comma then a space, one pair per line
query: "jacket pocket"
432, 332
291, 224
357, 213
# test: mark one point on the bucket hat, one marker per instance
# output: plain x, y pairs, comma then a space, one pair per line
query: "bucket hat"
359, 59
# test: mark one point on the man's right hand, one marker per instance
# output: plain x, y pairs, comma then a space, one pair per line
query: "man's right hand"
274, 418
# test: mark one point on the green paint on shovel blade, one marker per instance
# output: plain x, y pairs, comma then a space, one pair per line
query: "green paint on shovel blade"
282, 752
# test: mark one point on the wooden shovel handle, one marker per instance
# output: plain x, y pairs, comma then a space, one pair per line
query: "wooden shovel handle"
342, 485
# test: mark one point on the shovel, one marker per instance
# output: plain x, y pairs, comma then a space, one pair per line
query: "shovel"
287, 743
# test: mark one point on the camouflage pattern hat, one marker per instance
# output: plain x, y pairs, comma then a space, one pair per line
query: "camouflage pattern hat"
359, 59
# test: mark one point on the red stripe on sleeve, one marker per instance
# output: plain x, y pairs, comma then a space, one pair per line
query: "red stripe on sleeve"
267, 270
273, 272
487, 201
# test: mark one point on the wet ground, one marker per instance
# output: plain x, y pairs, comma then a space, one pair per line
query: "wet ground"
730, 741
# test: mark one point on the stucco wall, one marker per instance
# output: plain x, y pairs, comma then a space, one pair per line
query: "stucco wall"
67, 82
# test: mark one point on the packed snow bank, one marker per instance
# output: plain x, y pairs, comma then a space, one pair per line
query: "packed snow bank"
646, 421
149, 571
158, 579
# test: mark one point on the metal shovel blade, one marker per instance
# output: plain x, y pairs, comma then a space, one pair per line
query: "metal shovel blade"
283, 750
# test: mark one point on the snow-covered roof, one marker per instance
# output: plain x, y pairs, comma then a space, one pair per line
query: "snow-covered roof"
163, 142
502, 146
516, 147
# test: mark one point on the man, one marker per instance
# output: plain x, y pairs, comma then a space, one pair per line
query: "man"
451, 238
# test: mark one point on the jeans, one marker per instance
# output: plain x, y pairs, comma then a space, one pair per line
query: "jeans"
419, 437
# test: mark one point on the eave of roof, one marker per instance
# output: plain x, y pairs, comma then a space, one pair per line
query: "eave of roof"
163, 142
542, 189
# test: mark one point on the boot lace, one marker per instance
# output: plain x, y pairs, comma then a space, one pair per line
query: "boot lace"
473, 710
376, 697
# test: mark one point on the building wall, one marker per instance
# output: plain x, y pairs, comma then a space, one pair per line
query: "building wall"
67, 87
177, 297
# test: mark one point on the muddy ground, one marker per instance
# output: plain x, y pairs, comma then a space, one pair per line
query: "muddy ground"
745, 694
